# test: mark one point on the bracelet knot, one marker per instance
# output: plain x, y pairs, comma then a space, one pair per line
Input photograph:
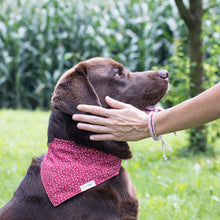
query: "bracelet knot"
155, 137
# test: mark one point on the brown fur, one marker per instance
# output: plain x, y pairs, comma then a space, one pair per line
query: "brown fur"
88, 83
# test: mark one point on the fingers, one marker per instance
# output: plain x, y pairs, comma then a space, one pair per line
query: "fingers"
95, 110
116, 104
92, 119
105, 125
103, 137
105, 132
94, 128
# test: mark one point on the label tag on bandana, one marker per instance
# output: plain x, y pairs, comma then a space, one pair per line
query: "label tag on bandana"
88, 185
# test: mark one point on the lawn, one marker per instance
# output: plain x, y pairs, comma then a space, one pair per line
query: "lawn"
180, 188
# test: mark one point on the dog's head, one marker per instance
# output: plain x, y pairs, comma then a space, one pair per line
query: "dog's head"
88, 83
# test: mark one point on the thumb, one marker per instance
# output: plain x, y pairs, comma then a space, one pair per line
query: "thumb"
115, 104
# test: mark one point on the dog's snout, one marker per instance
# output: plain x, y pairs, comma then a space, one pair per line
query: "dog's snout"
163, 74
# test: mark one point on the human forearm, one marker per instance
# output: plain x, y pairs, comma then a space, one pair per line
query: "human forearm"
191, 113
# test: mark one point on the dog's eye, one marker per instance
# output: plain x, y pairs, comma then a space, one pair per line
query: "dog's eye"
118, 72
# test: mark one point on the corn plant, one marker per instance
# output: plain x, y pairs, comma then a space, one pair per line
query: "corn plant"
39, 40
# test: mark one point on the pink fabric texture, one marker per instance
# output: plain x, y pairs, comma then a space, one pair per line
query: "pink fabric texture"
68, 170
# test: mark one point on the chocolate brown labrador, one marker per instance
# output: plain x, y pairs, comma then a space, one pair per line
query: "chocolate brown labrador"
88, 83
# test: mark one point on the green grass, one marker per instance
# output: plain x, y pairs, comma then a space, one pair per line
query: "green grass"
180, 188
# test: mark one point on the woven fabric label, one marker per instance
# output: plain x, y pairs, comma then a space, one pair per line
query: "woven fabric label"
88, 185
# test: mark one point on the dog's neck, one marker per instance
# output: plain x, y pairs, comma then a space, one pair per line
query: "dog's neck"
62, 126
68, 148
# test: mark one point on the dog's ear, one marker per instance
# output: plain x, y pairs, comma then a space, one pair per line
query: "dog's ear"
73, 89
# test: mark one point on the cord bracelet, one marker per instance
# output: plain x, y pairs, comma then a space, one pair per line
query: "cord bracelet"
155, 137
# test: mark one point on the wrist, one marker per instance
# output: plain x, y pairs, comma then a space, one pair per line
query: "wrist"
157, 123
163, 122
152, 127
145, 131
155, 136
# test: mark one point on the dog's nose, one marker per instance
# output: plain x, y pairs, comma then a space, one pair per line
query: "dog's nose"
163, 74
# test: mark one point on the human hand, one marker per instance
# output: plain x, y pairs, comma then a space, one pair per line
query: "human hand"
123, 122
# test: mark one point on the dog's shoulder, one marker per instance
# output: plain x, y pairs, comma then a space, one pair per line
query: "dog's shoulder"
36, 164
32, 180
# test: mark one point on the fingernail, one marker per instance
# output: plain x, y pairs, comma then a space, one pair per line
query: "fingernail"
108, 98
91, 138
75, 117
80, 126
78, 107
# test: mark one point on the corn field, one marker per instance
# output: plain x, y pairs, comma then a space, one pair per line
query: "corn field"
39, 40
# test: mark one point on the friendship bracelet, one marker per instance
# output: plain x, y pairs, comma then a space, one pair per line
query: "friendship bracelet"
155, 137
151, 127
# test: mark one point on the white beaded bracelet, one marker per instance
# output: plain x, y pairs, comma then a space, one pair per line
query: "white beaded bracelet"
154, 135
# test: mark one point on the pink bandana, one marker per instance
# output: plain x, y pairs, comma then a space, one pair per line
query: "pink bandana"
68, 170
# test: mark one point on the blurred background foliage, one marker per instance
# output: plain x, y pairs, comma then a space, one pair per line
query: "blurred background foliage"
39, 40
